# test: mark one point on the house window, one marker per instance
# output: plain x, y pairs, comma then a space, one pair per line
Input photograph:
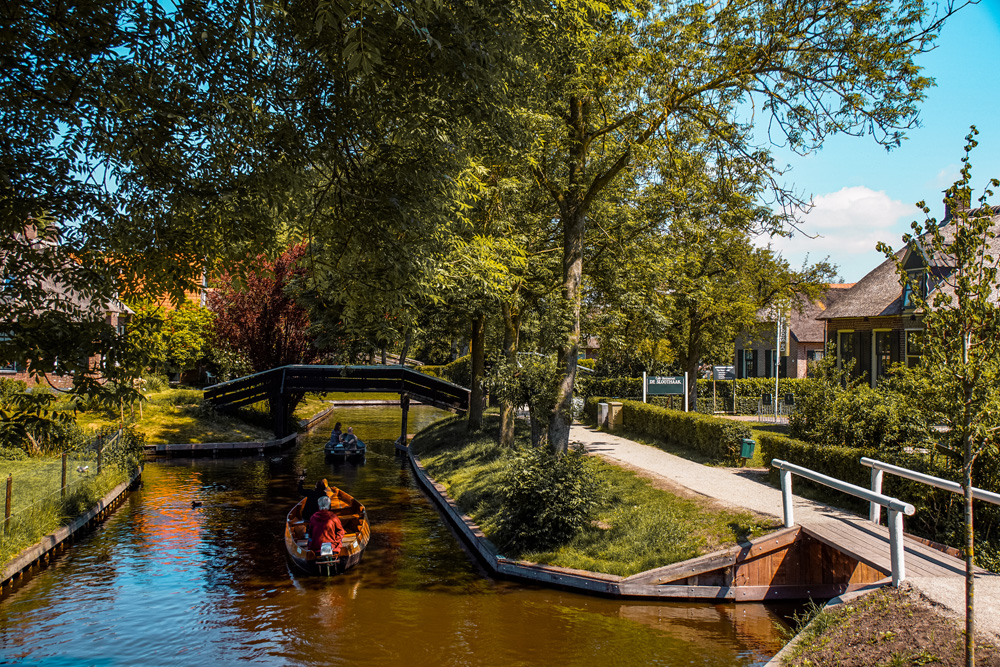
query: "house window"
914, 347
845, 347
749, 367
6, 367
916, 280
881, 353
812, 356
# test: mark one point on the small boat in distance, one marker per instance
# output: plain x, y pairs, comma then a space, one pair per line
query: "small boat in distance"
338, 450
354, 518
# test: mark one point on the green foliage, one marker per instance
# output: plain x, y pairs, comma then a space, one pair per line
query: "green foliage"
835, 461
458, 372
544, 499
719, 439
30, 422
10, 389
172, 340
587, 363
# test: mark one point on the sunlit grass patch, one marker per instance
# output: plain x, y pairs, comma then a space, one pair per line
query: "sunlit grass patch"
636, 527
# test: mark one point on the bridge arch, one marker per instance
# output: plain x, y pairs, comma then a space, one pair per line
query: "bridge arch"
276, 384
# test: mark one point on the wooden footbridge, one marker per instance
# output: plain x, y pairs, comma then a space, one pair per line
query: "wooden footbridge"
278, 384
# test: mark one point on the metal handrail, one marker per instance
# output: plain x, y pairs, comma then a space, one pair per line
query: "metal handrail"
878, 467
897, 508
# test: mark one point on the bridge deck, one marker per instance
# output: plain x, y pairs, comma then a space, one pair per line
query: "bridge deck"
869, 543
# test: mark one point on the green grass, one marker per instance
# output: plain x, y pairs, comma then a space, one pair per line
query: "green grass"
636, 527
38, 508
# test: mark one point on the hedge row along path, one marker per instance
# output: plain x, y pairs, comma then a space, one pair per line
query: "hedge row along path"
746, 488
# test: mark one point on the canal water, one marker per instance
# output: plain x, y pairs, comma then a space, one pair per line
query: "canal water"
163, 582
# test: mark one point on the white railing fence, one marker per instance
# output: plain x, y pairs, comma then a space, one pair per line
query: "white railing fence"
878, 468
897, 508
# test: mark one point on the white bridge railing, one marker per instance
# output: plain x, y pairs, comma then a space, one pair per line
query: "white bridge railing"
878, 468
897, 508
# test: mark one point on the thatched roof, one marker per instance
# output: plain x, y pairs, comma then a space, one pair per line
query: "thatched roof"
806, 325
880, 293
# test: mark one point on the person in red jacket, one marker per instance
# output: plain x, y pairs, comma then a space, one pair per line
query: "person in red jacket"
325, 526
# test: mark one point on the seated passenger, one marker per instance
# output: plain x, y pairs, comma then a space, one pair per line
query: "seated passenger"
325, 526
350, 440
313, 496
336, 434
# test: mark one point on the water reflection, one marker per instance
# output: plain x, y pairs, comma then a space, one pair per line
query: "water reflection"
165, 583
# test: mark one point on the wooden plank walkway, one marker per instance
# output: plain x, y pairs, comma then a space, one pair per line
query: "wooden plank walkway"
869, 543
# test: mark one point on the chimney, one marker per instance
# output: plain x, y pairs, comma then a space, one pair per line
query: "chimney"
956, 200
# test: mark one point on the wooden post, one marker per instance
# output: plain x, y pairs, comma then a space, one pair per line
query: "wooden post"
874, 509
896, 546
6, 505
786, 497
63, 488
404, 403
100, 452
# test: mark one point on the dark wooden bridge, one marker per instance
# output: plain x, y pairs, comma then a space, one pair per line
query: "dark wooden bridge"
278, 384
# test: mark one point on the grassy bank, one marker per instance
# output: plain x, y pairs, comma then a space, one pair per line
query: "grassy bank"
636, 526
178, 416
888, 627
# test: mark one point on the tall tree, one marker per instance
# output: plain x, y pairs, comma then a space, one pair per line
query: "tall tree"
617, 81
957, 298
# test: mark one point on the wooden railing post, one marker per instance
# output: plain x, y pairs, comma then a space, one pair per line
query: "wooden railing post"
786, 497
63, 487
7, 503
896, 546
874, 509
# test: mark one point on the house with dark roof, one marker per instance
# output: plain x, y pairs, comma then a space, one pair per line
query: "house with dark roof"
876, 323
803, 338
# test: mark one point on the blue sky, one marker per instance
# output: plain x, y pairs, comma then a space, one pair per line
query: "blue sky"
864, 194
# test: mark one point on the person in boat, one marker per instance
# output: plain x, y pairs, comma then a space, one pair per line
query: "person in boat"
313, 496
336, 435
350, 440
325, 526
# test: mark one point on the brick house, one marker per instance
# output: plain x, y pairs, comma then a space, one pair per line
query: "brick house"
64, 298
876, 323
756, 354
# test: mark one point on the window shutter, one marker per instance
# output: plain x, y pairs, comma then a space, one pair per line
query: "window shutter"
767, 363
753, 365
894, 355
739, 364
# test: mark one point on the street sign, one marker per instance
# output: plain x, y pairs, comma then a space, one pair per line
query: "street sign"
665, 385
724, 372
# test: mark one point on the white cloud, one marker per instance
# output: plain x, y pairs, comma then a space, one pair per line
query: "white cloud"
847, 224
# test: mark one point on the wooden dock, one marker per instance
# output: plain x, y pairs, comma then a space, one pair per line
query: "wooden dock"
215, 448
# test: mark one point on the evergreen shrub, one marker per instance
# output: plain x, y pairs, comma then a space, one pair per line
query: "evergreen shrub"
544, 499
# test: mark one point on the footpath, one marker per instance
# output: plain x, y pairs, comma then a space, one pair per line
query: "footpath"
747, 488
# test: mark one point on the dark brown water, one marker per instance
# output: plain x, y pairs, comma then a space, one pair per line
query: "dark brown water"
161, 583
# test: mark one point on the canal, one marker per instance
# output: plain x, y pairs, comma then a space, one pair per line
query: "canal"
192, 570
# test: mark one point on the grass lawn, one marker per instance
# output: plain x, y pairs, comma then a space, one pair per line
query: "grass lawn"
38, 507
176, 416
637, 527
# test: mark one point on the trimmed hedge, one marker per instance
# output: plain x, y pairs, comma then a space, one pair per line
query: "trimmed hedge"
840, 462
457, 372
717, 438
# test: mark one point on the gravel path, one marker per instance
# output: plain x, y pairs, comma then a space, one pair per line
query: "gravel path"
747, 488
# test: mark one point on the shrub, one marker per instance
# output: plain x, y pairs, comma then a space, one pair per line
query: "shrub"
717, 438
11, 388
544, 500
840, 462
458, 372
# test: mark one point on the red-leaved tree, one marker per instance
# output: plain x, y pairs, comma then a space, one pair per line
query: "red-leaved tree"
258, 318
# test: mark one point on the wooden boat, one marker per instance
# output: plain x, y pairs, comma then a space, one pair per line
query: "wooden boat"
352, 515
340, 451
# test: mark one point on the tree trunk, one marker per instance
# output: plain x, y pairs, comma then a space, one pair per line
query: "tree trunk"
970, 543
574, 222
478, 364
406, 347
385, 362
508, 411
537, 429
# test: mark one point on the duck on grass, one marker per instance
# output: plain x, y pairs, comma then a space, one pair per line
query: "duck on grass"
574, 511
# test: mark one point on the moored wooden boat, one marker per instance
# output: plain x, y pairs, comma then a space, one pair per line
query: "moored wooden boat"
354, 518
